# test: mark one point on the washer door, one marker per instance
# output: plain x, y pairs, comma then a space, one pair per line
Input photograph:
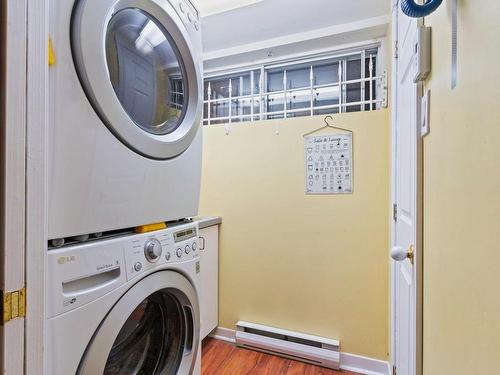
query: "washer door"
153, 329
138, 68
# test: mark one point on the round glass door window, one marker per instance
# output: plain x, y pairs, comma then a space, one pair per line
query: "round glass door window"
152, 339
146, 71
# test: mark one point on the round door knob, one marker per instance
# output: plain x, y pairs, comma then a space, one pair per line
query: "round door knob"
153, 250
399, 254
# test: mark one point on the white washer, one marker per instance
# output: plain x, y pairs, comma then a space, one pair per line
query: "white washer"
127, 305
126, 96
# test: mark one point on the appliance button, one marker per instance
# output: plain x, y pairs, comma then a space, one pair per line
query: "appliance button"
187, 249
179, 252
181, 7
194, 246
138, 266
153, 250
190, 17
167, 256
196, 25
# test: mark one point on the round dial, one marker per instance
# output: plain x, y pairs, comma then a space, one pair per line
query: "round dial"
152, 250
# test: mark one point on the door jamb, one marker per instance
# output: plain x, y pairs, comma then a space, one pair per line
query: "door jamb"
37, 120
13, 137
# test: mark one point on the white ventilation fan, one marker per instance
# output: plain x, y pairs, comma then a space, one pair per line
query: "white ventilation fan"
315, 350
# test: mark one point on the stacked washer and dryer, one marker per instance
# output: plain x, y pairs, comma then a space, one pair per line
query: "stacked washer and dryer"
125, 151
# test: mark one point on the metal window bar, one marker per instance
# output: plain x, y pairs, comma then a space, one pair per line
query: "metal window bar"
239, 103
363, 74
209, 104
340, 86
370, 67
311, 81
264, 95
344, 85
285, 97
261, 92
230, 100
252, 83
342, 106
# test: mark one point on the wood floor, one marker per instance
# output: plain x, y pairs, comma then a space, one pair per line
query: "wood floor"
222, 358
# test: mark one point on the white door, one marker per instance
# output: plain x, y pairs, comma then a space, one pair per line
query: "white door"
406, 194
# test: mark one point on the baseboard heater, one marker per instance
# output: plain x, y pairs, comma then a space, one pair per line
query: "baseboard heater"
315, 350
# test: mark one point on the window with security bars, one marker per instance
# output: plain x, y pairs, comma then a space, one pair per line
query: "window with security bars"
316, 86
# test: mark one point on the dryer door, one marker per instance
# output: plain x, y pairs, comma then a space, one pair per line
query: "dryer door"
153, 329
141, 70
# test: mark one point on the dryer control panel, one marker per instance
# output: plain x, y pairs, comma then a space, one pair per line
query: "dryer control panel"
150, 250
190, 13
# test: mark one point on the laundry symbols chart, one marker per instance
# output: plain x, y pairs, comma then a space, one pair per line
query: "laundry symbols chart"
328, 161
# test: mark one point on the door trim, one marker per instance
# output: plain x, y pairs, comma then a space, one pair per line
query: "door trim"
418, 314
37, 122
13, 179
26, 127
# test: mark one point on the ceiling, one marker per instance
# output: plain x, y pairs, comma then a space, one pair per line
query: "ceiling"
232, 23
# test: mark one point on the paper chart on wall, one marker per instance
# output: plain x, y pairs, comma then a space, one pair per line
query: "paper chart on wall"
328, 161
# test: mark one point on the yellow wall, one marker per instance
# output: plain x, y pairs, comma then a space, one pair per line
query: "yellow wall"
315, 264
462, 196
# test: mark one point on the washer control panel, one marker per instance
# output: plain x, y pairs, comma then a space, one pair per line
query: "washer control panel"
150, 250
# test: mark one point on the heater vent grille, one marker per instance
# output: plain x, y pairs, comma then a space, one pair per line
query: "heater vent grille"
298, 346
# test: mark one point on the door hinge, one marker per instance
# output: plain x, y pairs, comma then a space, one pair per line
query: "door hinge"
13, 305
395, 212
396, 49
394, 370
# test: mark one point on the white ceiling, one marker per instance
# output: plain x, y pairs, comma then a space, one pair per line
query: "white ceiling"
270, 19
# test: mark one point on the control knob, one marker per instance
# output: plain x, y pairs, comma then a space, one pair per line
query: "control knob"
152, 250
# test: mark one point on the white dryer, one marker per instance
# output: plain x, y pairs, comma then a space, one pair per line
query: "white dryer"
125, 119
127, 305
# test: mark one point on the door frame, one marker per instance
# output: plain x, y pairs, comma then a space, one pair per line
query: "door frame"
25, 185
13, 136
418, 313
37, 122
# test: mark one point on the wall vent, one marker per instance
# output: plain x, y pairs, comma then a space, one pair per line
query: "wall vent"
316, 350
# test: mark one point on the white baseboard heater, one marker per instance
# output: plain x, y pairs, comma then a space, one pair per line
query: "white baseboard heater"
316, 350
